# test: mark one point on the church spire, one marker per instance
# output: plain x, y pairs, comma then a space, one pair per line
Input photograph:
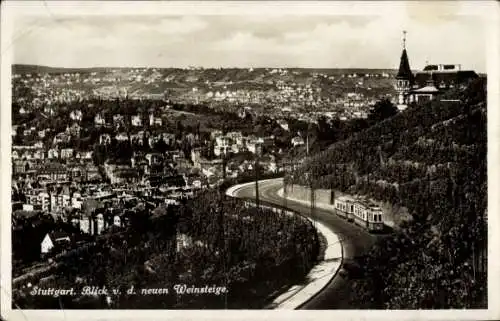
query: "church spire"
404, 71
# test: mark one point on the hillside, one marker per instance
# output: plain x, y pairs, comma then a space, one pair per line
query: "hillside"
432, 160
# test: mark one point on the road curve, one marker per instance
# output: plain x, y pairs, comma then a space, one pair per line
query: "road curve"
355, 241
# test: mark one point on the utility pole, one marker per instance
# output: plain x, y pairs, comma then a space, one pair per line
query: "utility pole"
311, 185
332, 190
224, 164
283, 165
307, 143
222, 240
285, 182
256, 169
313, 200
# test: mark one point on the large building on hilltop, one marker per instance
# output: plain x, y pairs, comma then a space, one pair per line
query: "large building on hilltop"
425, 85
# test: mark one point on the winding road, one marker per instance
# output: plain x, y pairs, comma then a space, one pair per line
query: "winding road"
355, 241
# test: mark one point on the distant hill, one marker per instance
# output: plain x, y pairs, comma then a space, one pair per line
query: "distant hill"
430, 159
33, 69
338, 71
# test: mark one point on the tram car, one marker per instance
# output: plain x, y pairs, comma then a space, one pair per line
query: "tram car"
361, 211
368, 215
344, 207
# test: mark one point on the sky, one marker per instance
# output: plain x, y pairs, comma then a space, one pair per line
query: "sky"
288, 40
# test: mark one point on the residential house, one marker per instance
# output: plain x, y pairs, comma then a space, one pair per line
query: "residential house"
168, 138
118, 121
53, 171
22, 166
27, 154
61, 138
155, 121
136, 121
84, 155
39, 154
67, 153
49, 110
183, 241
44, 201
254, 146
196, 156
269, 164
99, 120
52, 240
53, 153
101, 223
297, 141
121, 137
27, 132
152, 140
215, 133
267, 141
246, 111
76, 115
117, 221
92, 172
104, 139
60, 199
38, 144
87, 155
137, 138
154, 158
14, 154
119, 174
222, 145
76, 200
196, 183
177, 155
77, 173
186, 242
283, 124
85, 223
190, 138
210, 168
74, 130
237, 138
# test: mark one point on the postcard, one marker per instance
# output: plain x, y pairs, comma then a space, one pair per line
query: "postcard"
243, 160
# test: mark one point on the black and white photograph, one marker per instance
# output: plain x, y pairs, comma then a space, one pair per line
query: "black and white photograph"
249, 156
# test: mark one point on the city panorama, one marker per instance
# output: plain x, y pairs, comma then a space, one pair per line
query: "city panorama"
314, 162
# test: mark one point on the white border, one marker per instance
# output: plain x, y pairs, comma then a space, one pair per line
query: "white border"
489, 10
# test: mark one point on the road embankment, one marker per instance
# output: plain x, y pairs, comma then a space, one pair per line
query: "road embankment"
319, 276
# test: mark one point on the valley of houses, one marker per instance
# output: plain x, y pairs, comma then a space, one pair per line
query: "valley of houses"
65, 183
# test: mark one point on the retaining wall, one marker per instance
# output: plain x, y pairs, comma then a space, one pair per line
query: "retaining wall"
393, 214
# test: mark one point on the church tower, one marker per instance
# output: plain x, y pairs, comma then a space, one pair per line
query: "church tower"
404, 78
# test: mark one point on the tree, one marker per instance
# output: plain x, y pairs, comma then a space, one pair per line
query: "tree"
383, 109
99, 155
179, 129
